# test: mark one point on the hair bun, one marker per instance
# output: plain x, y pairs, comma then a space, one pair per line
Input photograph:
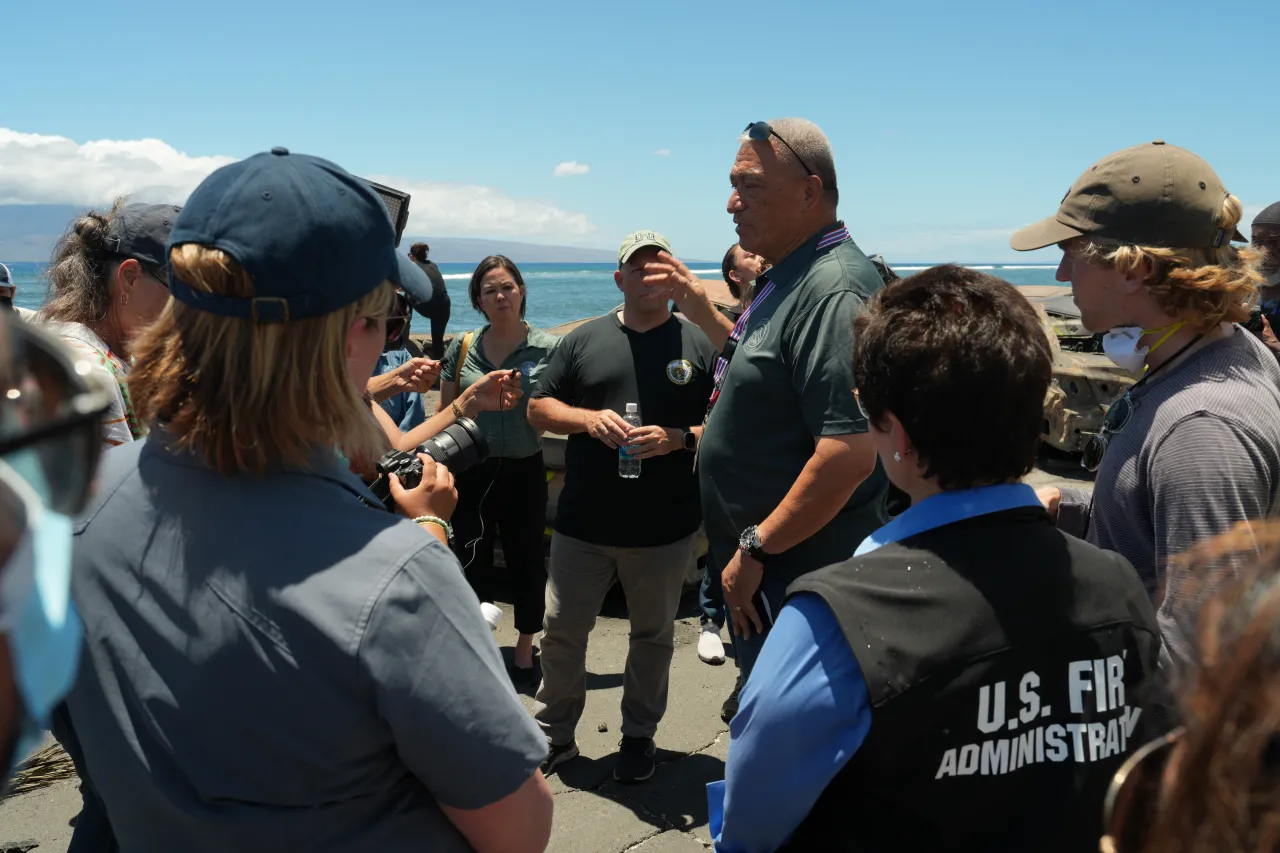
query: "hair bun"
92, 228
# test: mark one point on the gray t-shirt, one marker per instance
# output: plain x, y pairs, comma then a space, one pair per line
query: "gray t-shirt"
272, 665
1200, 453
789, 382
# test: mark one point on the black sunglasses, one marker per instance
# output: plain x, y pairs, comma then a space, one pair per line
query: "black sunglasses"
395, 326
1118, 414
54, 404
760, 131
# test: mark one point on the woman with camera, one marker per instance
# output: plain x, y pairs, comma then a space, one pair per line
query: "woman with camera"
273, 661
107, 282
506, 495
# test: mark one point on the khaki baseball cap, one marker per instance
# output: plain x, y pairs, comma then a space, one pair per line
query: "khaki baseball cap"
637, 240
1148, 195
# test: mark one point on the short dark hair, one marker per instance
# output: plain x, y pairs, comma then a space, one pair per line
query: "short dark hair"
488, 265
726, 267
419, 250
963, 361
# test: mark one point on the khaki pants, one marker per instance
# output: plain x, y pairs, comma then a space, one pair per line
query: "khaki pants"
578, 578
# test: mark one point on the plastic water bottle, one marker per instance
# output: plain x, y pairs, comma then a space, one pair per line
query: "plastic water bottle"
628, 465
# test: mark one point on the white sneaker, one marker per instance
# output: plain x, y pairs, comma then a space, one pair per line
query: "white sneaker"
710, 649
491, 613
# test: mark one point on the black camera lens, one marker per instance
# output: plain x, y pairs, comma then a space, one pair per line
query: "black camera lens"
458, 447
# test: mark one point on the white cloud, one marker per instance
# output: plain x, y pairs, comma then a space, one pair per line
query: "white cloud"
457, 210
662, 152
572, 167
56, 170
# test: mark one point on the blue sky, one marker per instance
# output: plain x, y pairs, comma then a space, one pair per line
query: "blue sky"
952, 122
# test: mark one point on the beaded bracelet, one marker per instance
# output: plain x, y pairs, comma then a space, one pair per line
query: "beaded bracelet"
438, 522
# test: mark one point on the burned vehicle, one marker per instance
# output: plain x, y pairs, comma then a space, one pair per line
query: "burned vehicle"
1085, 382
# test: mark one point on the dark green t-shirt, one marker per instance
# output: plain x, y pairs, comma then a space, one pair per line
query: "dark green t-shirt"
790, 381
605, 365
508, 433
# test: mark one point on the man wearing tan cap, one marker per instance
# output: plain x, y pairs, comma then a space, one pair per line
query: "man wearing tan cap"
615, 523
1194, 446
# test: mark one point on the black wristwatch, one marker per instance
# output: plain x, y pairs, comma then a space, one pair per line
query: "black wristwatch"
689, 440
750, 544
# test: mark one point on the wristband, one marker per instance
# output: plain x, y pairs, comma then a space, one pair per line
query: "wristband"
438, 522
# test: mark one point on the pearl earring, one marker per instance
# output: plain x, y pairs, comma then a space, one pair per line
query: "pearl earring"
897, 457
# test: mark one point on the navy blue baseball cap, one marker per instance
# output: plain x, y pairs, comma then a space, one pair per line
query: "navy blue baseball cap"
312, 236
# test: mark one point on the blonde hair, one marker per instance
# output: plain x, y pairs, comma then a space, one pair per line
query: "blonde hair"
244, 396
1204, 286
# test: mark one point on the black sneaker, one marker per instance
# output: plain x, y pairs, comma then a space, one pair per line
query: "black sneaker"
635, 760
729, 709
525, 678
559, 755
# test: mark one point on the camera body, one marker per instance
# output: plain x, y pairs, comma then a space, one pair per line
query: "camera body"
458, 447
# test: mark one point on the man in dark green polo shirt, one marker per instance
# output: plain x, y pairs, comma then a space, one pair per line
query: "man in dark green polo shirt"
788, 477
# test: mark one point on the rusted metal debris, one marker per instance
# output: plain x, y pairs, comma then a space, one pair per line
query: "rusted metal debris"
1085, 382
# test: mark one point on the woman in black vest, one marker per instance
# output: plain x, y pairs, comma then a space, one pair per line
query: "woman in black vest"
971, 677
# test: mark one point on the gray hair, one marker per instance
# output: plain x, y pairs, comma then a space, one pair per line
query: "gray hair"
812, 146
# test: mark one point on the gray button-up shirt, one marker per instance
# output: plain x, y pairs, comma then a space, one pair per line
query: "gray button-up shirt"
271, 664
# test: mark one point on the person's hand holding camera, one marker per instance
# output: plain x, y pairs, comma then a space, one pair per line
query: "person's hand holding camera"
498, 391
434, 495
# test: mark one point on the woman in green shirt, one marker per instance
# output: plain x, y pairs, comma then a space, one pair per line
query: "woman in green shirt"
507, 495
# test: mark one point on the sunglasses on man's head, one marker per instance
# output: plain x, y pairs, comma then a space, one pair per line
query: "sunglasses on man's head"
760, 131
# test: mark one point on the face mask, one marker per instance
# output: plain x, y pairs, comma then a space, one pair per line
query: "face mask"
1121, 345
6, 303
36, 613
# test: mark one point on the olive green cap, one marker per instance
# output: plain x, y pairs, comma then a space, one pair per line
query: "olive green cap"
1148, 195
637, 240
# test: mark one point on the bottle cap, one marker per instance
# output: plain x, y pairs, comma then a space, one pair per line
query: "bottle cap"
632, 408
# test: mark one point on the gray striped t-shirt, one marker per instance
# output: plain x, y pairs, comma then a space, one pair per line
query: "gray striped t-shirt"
1200, 453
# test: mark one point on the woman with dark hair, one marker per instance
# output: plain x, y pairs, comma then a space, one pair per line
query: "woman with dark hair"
506, 495
437, 309
108, 282
970, 678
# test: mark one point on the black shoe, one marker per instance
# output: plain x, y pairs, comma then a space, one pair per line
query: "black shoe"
525, 677
729, 709
635, 760
559, 755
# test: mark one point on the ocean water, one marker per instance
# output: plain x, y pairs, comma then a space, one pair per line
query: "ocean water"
557, 293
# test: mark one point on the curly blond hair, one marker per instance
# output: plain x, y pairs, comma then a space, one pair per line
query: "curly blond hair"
1204, 286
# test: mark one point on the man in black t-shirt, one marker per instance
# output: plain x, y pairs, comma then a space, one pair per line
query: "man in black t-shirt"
638, 531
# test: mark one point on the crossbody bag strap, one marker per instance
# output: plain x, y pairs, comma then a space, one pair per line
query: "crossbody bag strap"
462, 360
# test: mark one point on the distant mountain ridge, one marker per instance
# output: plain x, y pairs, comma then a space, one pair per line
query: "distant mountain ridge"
28, 232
